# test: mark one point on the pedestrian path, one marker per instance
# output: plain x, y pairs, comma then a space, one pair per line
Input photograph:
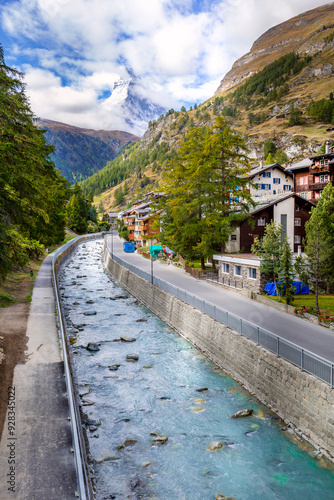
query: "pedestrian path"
36, 458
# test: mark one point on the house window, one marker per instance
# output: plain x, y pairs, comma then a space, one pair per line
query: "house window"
266, 174
251, 271
261, 221
303, 181
298, 238
233, 237
237, 270
286, 187
323, 178
298, 221
304, 195
276, 180
225, 268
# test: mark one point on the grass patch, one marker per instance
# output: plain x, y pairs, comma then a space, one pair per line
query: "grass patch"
18, 286
326, 302
6, 300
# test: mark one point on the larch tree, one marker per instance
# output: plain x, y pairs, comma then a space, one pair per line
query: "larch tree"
205, 188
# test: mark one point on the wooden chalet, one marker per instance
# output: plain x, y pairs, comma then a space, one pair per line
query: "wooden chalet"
313, 174
291, 211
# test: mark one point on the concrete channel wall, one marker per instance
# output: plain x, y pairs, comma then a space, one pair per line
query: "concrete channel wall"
297, 397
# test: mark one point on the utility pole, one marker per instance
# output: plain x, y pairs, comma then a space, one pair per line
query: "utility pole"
151, 258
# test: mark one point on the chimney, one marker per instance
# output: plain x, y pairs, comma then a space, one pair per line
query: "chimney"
327, 148
261, 163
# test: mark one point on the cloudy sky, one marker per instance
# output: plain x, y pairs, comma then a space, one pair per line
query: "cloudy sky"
73, 51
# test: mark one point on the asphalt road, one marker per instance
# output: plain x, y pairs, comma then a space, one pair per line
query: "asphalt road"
317, 339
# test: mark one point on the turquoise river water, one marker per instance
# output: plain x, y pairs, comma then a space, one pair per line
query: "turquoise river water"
158, 393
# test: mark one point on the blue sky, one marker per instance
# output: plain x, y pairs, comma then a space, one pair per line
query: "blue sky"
73, 51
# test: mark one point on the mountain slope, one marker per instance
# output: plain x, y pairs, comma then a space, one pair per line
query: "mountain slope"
306, 33
130, 102
288, 67
79, 153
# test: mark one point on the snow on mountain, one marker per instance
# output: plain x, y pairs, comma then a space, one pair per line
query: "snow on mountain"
129, 100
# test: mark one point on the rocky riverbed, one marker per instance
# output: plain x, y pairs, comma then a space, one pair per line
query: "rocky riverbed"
157, 413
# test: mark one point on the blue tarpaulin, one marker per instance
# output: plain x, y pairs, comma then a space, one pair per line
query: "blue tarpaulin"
300, 288
128, 246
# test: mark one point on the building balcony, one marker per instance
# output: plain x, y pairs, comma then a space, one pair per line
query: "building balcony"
318, 185
302, 188
324, 169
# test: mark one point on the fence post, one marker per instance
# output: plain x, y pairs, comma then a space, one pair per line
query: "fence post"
302, 360
258, 335
240, 326
277, 347
226, 318
214, 312
204, 306
332, 369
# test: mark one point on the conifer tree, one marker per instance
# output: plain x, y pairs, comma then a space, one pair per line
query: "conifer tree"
205, 187
32, 192
269, 250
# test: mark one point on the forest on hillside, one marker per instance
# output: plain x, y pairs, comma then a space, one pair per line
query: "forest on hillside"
36, 201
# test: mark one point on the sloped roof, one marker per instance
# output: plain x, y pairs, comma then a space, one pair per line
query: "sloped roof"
264, 168
305, 163
269, 201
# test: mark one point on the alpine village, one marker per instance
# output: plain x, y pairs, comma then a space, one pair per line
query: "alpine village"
236, 191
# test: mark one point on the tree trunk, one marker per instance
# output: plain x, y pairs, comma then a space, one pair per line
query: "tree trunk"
202, 263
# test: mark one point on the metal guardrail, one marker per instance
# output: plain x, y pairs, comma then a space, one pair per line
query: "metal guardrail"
79, 447
295, 354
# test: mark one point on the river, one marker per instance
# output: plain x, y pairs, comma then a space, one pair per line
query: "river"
150, 421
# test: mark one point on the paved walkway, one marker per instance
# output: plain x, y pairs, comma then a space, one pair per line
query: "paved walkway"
36, 451
314, 338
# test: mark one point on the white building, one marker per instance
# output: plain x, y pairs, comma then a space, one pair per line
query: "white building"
270, 180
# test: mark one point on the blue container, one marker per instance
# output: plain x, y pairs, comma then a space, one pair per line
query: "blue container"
129, 247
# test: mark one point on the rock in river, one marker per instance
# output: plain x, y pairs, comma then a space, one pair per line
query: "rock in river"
216, 445
113, 368
222, 497
92, 347
243, 413
89, 313
132, 357
128, 339
158, 438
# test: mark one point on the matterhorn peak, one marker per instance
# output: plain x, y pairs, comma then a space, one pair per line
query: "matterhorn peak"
129, 100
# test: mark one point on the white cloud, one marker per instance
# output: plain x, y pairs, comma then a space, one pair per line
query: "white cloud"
75, 49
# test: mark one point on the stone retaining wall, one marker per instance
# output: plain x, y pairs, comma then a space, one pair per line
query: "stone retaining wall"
295, 396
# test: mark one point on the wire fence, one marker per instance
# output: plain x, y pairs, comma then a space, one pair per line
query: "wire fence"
85, 491
304, 359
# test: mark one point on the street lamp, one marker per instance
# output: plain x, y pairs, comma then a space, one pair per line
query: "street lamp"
112, 243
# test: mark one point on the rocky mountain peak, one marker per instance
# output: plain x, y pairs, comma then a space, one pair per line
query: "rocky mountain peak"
304, 34
130, 100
